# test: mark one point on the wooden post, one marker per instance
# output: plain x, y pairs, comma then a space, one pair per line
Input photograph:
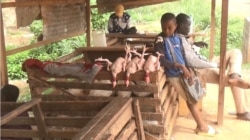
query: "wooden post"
212, 30
224, 24
88, 15
3, 65
246, 42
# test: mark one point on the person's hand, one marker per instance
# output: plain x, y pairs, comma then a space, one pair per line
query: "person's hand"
201, 44
186, 73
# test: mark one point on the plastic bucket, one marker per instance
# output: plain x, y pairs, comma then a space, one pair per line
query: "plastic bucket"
99, 38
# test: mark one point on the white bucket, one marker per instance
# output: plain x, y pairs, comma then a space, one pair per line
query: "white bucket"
99, 38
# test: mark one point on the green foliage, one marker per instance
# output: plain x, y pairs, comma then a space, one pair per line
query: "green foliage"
14, 64
99, 21
36, 27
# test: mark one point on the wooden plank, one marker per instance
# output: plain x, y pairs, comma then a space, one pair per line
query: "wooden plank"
28, 3
172, 122
69, 57
133, 136
127, 130
223, 44
151, 136
73, 106
67, 134
167, 102
97, 119
39, 118
152, 116
3, 63
164, 93
212, 30
6, 118
119, 87
119, 35
19, 133
52, 121
147, 101
67, 122
155, 129
21, 121
120, 121
113, 122
88, 22
138, 120
44, 42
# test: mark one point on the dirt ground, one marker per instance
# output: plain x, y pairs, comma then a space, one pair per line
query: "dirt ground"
232, 129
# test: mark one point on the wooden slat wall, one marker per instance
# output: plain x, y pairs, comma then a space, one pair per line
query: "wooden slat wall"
63, 19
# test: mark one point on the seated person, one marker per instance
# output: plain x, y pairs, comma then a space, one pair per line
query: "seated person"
118, 21
10, 93
233, 65
86, 72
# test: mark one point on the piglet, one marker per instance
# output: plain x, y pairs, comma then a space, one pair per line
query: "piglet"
152, 64
135, 64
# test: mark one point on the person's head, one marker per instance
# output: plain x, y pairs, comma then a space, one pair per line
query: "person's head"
183, 24
9, 93
119, 9
168, 24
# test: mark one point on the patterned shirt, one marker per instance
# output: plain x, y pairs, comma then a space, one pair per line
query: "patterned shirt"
117, 25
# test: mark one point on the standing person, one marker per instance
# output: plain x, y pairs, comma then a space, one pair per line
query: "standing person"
233, 73
118, 21
173, 69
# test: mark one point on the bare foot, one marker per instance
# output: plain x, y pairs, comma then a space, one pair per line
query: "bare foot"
239, 83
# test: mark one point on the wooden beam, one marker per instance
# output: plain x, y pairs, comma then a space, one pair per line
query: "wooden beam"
88, 19
28, 3
3, 69
224, 24
212, 30
132, 3
45, 42
6, 118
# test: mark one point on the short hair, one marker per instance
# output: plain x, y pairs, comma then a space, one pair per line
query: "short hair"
182, 18
167, 17
9, 93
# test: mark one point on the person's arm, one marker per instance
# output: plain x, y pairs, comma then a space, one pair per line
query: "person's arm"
159, 47
128, 22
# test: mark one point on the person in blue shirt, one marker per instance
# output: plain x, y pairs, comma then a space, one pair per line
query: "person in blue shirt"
118, 21
233, 66
176, 68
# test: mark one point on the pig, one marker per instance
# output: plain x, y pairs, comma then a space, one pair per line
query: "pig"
152, 64
135, 64
117, 66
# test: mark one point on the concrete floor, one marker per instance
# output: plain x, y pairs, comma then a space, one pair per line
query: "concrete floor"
232, 129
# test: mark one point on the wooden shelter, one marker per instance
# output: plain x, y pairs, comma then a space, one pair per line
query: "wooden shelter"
161, 104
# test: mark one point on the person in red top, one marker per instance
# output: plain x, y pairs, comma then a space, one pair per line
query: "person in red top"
84, 71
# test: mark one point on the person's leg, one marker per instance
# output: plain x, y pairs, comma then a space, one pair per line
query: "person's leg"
194, 108
234, 64
240, 103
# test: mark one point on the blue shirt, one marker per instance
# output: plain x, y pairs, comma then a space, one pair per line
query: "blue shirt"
174, 42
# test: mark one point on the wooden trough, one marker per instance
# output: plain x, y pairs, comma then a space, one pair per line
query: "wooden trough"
158, 110
113, 118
